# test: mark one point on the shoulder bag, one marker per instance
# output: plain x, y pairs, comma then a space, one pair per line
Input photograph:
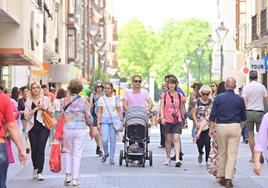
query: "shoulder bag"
48, 119
117, 124
59, 130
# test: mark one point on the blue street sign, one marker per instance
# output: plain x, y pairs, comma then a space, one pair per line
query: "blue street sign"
266, 62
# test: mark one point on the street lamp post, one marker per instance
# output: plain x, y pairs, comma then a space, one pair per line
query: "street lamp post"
187, 61
199, 52
117, 76
222, 32
210, 43
93, 31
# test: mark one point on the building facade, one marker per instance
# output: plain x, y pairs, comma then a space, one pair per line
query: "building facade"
41, 38
21, 39
253, 32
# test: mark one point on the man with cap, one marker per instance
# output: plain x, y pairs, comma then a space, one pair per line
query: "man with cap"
254, 95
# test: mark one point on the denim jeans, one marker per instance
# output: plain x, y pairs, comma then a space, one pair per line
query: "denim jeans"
108, 132
193, 131
245, 133
3, 165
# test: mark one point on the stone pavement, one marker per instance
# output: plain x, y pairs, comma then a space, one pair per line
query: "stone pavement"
93, 174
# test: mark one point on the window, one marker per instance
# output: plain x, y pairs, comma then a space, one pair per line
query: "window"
262, 5
71, 12
71, 43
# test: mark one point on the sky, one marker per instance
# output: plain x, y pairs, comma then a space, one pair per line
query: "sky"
154, 13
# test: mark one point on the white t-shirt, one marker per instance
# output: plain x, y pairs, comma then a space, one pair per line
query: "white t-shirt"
57, 105
112, 103
255, 94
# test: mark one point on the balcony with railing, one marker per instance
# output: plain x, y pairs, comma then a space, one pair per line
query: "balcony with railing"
254, 25
264, 23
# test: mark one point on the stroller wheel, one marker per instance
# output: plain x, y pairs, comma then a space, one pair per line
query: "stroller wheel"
151, 158
143, 162
121, 157
126, 161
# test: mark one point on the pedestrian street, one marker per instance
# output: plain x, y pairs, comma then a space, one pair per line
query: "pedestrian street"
94, 174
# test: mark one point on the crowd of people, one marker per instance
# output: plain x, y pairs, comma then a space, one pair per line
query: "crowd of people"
216, 111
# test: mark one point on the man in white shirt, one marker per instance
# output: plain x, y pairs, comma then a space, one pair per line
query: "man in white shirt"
254, 95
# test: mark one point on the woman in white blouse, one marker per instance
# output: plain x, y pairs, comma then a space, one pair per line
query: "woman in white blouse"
108, 111
38, 133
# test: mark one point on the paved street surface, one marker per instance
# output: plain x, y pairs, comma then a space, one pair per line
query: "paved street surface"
94, 174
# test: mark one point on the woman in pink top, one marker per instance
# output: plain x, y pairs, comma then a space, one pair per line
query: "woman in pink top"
172, 108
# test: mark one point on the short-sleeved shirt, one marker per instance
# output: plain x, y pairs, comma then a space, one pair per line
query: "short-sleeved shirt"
255, 93
6, 114
136, 98
202, 109
77, 115
112, 103
170, 108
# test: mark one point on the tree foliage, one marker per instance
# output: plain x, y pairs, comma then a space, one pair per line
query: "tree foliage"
141, 50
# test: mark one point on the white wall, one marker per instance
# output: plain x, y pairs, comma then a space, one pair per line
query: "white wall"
12, 8
19, 76
227, 15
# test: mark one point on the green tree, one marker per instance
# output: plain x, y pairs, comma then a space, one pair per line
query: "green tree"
142, 51
137, 48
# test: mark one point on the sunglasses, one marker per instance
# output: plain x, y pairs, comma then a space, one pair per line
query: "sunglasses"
137, 81
205, 94
99, 86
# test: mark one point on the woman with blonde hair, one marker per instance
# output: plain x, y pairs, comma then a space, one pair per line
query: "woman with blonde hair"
77, 119
214, 89
36, 129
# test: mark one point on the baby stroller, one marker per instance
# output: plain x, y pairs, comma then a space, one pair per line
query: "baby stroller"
136, 137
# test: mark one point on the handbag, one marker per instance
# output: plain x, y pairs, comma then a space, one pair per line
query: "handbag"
48, 119
212, 164
117, 124
59, 130
55, 158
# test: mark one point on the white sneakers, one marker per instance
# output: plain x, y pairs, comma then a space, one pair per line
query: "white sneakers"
35, 173
75, 182
68, 180
40, 177
167, 162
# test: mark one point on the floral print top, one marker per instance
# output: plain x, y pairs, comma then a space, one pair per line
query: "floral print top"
77, 115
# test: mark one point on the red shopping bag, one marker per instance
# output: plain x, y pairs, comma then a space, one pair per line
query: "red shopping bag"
59, 130
55, 158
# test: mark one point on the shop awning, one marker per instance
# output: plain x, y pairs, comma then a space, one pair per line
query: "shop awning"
15, 56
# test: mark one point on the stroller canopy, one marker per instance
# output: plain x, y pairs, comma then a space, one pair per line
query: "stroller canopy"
137, 116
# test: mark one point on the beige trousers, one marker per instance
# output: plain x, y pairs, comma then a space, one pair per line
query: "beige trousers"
228, 140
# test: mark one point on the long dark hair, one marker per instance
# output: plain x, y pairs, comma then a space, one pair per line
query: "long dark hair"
221, 87
15, 93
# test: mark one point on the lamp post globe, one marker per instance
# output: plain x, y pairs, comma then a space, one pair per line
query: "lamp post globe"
199, 50
210, 43
222, 32
187, 61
